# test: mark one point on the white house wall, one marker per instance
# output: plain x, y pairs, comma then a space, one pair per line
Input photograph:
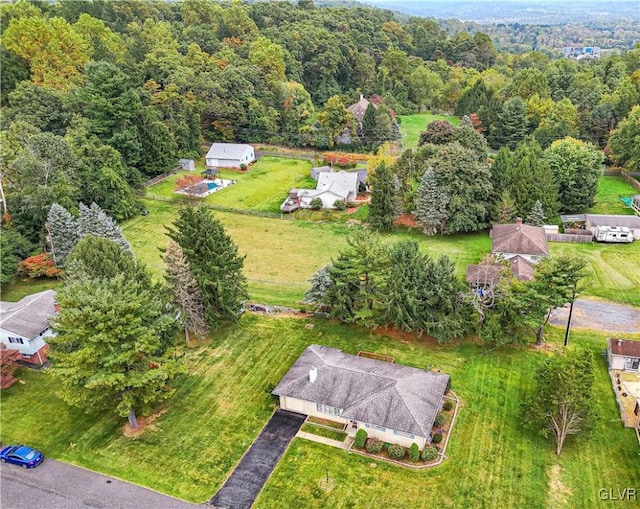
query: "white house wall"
28, 346
616, 361
385, 434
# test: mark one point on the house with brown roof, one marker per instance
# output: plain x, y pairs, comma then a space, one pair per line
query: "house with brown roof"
359, 109
518, 239
24, 325
394, 403
624, 354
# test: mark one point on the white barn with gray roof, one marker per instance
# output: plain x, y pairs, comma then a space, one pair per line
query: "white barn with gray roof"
229, 155
397, 404
24, 325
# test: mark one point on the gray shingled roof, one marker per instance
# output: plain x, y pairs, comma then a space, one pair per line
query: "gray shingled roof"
367, 390
227, 151
519, 239
29, 316
613, 220
521, 268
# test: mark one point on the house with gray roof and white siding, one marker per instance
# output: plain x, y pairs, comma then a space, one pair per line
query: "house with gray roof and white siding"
394, 403
24, 325
229, 155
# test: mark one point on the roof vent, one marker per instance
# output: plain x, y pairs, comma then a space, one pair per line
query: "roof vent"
313, 374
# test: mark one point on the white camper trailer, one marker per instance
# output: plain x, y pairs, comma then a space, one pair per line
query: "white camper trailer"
613, 234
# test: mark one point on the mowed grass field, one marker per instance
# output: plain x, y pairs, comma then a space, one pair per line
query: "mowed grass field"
263, 188
610, 190
222, 404
281, 254
412, 125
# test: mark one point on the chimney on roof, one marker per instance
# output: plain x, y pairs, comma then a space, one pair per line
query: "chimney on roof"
313, 374
361, 97
518, 220
619, 342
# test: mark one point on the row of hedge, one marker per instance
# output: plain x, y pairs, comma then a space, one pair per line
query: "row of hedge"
397, 452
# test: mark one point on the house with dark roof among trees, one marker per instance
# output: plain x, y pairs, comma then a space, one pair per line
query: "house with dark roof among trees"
24, 325
394, 403
518, 239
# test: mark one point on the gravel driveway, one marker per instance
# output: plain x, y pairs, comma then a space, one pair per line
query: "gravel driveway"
600, 316
56, 485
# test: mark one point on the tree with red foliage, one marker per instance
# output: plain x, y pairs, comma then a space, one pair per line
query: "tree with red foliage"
476, 122
8, 365
40, 265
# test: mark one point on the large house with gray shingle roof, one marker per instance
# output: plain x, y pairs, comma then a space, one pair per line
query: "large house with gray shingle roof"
518, 239
24, 325
397, 404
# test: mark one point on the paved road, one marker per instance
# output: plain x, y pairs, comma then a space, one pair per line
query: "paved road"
56, 485
602, 316
255, 467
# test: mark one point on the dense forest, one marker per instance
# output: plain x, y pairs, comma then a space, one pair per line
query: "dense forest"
99, 96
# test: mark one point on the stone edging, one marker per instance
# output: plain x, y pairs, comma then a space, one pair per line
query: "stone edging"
455, 398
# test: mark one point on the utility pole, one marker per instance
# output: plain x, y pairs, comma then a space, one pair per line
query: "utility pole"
566, 333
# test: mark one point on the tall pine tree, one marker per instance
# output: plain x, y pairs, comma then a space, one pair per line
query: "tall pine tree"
94, 221
431, 204
185, 291
383, 200
214, 261
64, 232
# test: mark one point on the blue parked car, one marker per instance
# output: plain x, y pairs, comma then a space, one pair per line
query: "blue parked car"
21, 455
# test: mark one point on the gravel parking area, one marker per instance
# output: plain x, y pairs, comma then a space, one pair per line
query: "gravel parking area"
600, 316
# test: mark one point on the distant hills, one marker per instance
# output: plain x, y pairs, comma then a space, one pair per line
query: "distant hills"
525, 11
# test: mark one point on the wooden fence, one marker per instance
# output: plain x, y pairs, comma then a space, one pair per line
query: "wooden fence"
566, 237
631, 180
160, 178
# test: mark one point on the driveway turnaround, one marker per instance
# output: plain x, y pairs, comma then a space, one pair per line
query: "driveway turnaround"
602, 316
255, 467
57, 485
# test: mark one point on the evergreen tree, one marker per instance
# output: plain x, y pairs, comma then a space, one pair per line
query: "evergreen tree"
536, 217
500, 169
530, 179
398, 207
507, 208
431, 204
466, 181
101, 258
320, 284
381, 210
110, 348
94, 221
64, 232
367, 130
512, 125
469, 138
214, 261
401, 301
185, 291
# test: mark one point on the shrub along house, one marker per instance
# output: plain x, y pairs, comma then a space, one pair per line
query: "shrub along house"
396, 404
24, 325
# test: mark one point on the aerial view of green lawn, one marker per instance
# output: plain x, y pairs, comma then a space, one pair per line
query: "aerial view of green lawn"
262, 188
412, 125
224, 401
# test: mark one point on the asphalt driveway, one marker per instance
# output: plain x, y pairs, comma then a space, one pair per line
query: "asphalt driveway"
255, 467
601, 316
56, 485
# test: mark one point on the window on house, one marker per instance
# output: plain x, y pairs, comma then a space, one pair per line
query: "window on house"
16, 340
631, 363
403, 434
326, 409
374, 426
